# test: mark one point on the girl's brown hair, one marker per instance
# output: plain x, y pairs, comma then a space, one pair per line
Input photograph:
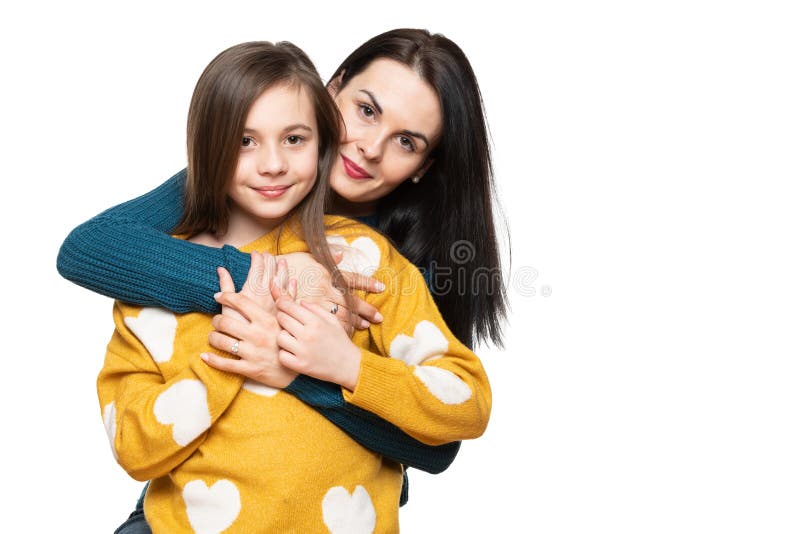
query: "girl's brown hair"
222, 98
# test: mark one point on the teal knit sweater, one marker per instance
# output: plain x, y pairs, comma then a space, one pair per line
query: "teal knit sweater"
126, 253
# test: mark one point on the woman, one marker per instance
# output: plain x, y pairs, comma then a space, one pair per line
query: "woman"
414, 163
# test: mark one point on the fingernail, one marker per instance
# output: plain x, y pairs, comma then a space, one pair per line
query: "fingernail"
204, 356
218, 294
378, 317
379, 286
364, 324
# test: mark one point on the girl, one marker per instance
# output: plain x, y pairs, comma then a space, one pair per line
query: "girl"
261, 139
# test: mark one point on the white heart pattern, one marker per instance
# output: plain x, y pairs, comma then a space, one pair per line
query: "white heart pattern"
185, 406
348, 514
362, 256
110, 422
427, 343
259, 389
155, 328
211, 510
443, 384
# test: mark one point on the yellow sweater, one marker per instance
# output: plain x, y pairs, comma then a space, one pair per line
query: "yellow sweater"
228, 455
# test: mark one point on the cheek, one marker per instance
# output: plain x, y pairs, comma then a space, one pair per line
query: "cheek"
353, 127
395, 169
242, 168
305, 165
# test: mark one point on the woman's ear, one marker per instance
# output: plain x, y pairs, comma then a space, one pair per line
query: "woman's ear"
335, 85
425, 166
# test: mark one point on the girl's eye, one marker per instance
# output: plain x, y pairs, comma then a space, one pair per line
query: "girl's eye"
407, 144
294, 139
366, 110
247, 141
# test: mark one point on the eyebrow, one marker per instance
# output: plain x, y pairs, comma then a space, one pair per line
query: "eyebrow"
409, 133
298, 126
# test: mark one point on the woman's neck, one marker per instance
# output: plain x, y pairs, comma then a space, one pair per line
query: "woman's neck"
342, 206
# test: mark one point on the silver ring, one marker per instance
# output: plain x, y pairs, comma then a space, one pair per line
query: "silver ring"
235, 347
334, 308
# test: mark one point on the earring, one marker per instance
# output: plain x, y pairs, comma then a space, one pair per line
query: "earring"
416, 179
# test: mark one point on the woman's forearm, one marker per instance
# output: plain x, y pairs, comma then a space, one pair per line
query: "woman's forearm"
127, 253
369, 430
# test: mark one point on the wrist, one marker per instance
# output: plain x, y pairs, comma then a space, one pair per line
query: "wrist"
351, 368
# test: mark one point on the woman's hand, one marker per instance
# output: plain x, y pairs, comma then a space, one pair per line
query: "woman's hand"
314, 285
249, 317
313, 343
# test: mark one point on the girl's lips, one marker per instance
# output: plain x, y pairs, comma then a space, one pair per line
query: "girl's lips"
353, 170
272, 191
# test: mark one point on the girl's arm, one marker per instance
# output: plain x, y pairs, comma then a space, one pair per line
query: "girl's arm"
126, 253
154, 423
410, 370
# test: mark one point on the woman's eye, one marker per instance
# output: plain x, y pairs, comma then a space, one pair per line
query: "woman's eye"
366, 110
247, 141
294, 139
407, 144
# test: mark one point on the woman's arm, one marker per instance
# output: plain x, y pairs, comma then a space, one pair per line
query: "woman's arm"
126, 253
384, 437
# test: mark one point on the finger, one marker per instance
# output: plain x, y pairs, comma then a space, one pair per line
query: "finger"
282, 274
276, 292
295, 310
367, 311
337, 255
231, 326
256, 273
319, 311
225, 343
225, 364
289, 323
279, 281
243, 304
287, 342
363, 282
289, 361
269, 270
293, 288
225, 280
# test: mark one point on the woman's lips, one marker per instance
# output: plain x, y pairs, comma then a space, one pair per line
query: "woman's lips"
353, 170
272, 191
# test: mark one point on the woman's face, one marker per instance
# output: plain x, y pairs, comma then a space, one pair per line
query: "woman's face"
393, 121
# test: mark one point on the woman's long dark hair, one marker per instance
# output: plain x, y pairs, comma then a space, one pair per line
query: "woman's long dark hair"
445, 223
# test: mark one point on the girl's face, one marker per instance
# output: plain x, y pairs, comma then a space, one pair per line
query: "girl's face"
277, 161
393, 120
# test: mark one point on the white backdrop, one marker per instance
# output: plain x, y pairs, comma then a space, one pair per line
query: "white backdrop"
645, 153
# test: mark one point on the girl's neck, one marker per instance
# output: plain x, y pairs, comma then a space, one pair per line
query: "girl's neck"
243, 228
342, 206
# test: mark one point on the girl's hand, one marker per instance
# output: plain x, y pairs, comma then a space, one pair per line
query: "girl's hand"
249, 317
313, 343
314, 285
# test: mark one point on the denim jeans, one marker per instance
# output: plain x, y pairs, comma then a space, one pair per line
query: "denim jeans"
136, 523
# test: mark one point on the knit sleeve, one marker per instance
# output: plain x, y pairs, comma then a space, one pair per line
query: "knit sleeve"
431, 386
126, 253
370, 430
155, 423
